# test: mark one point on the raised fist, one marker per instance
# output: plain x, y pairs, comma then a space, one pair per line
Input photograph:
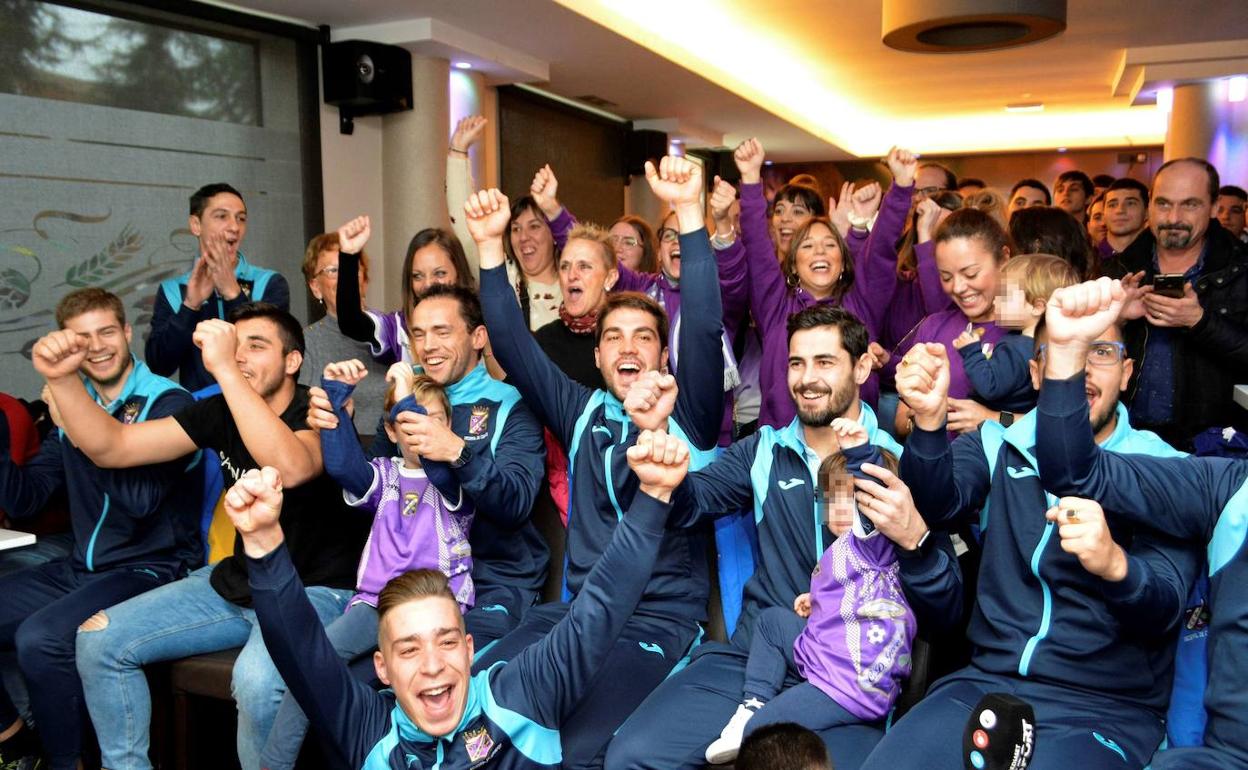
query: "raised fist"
58, 354
660, 462
354, 234
487, 215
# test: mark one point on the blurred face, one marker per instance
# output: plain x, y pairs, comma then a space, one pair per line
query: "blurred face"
432, 265
324, 283
626, 242
108, 346
1096, 221
1010, 308
1124, 212
823, 377
442, 342
1069, 196
583, 277
1180, 209
787, 217
424, 654
260, 358
968, 274
838, 503
532, 243
1108, 373
818, 261
629, 346
1025, 198
669, 248
224, 215
1230, 213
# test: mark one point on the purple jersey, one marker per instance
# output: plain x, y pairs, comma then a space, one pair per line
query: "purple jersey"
856, 645
390, 342
414, 527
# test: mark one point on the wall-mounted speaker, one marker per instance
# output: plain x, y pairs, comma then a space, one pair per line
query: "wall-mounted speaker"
366, 78
644, 145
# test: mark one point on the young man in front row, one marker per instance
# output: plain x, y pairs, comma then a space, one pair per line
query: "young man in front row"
258, 420
436, 714
133, 529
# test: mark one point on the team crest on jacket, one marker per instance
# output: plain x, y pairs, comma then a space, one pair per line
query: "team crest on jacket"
410, 501
479, 421
130, 413
478, 744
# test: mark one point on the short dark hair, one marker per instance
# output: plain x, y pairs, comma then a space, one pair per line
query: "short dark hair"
1075, 175
469, 304
951, 179
288, 329
445, 240
1214, 181
1127, 183
854, 335
803, 194
636, 301
1036, 183
81, 301
1103, 180
1050, 230
200, 198
1233, 191
783, 746
971, 181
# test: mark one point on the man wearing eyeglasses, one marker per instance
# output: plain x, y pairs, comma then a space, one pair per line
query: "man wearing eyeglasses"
220, 280
1187, 278
1075, 613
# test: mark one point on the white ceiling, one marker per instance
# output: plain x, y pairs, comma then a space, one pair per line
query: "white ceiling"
837, 46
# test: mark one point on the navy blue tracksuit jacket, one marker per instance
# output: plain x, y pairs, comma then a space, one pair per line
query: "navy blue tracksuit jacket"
514, 709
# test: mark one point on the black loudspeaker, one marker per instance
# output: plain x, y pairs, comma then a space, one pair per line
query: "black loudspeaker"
364, 78
643, 146
723, 166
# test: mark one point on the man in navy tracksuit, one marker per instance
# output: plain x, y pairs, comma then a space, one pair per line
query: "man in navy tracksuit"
1074, 614
132, 531
1204, 500
220, 281
773, 472
437, 714
595, 430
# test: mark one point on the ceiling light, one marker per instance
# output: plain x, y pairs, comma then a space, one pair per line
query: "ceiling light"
1061, 149
1025, 107
947, 26
463, 65
1237, 89
1165, 99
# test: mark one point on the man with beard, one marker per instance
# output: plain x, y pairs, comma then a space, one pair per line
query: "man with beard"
258, 419
1191, 344
220, 281
131, 530
773, 472
631, 340
1075, 614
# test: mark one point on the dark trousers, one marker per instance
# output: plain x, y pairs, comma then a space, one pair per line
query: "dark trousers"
497, 612
673, 727
645, 654
1073, 728
40, 612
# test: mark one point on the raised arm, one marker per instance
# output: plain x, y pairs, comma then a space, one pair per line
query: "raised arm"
544, 189
349, 715
767, 290
459, 184
353, 321
109, 443
876, 264
344, 458
699, 372
556, 672
555, 398
729, 257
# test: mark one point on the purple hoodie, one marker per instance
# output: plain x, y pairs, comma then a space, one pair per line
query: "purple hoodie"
914, 299
772, 300
944, 327
856, 645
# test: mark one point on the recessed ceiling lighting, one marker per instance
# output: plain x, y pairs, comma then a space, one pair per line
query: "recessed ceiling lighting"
1165, 99
1061, 149
768, 162
1025, 107
463, 65
1237, 89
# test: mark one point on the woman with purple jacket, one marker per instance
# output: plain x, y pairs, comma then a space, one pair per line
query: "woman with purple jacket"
971, 246
817, 268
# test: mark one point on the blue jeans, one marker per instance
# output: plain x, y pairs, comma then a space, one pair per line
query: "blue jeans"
353, 635
187, 617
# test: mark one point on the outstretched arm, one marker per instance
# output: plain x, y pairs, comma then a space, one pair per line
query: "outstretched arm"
459, 184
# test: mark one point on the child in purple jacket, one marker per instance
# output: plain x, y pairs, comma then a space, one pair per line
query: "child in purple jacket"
421, 520
847, 642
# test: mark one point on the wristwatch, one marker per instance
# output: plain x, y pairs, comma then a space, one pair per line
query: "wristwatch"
920, 548
1006, 419
464, 456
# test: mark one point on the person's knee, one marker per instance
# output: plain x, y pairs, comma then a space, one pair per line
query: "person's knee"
38, 644
97, 622
255, 683
94, 642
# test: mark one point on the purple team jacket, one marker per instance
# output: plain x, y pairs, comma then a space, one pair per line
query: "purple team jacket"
944, 327
856, 645
772, 300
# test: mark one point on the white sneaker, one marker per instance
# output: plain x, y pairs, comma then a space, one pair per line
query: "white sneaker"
724, 748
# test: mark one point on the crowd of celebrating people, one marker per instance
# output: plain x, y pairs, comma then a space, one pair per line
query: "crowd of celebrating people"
911, 447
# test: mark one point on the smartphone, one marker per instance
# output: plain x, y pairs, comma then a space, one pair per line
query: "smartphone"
1169, 285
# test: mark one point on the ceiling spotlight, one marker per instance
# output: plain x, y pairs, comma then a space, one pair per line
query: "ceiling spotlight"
1237, 89
958, 26
1025, 107
1061, 149
463, 65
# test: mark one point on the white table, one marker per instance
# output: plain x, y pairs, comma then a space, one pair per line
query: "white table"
11, 538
